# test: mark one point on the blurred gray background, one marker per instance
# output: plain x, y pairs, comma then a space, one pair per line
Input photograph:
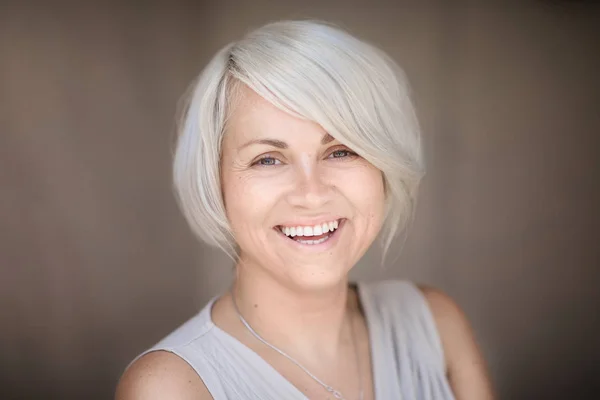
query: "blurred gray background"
97, 264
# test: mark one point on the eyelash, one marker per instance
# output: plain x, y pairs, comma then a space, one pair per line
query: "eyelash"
257, 163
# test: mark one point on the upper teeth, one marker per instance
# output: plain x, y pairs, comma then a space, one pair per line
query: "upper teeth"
314, 230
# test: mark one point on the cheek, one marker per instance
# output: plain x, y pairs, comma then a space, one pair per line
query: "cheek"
375, 200
238, 202
248, 200
365, 189
234, 194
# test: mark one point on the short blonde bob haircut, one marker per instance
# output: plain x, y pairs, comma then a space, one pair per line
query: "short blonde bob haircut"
314, 71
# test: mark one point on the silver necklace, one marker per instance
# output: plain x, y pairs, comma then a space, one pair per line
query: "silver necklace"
336, 393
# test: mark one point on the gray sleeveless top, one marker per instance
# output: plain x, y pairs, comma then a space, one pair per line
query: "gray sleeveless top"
408, 361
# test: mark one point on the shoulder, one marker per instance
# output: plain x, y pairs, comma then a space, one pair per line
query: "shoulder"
451, 322
161, 375
165, 371
465, 365
416, 300
450, 319
403, 307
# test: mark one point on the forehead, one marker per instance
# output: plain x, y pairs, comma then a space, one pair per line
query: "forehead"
254, 117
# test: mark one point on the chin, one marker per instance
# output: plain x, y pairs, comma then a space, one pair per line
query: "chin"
313, 276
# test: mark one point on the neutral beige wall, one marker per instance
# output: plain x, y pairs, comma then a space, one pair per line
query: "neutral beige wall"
97, 263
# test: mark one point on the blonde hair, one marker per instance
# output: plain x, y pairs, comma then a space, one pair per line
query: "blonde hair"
315, 71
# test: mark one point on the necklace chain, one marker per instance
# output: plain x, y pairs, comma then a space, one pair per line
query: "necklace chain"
336, 393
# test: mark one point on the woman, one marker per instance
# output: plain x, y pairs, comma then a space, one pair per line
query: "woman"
299, 146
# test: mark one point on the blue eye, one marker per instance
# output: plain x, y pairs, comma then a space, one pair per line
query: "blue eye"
341, 154
266, 161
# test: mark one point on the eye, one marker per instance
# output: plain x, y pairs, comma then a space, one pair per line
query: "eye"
341, 153
266, 161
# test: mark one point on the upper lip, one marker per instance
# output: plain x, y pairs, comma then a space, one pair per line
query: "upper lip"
310, 221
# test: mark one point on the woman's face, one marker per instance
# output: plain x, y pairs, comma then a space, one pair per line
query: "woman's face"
287, 186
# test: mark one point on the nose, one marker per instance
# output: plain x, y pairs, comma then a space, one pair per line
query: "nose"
310, 187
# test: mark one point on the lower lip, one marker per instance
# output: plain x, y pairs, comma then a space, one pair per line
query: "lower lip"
326, 245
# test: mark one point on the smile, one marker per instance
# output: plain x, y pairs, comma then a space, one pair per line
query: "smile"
311, 235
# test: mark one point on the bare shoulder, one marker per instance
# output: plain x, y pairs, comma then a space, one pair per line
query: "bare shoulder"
161, 375
448, 315
465, 365
451, 322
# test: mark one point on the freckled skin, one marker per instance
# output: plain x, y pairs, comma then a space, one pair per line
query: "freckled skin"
306, 179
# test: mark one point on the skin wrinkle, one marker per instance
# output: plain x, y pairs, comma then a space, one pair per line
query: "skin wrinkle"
306, 181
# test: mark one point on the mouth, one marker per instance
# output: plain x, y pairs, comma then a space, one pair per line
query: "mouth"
317, 236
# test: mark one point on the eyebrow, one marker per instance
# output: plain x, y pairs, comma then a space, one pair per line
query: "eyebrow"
280, 144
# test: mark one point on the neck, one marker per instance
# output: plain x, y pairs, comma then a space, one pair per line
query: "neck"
314, 323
